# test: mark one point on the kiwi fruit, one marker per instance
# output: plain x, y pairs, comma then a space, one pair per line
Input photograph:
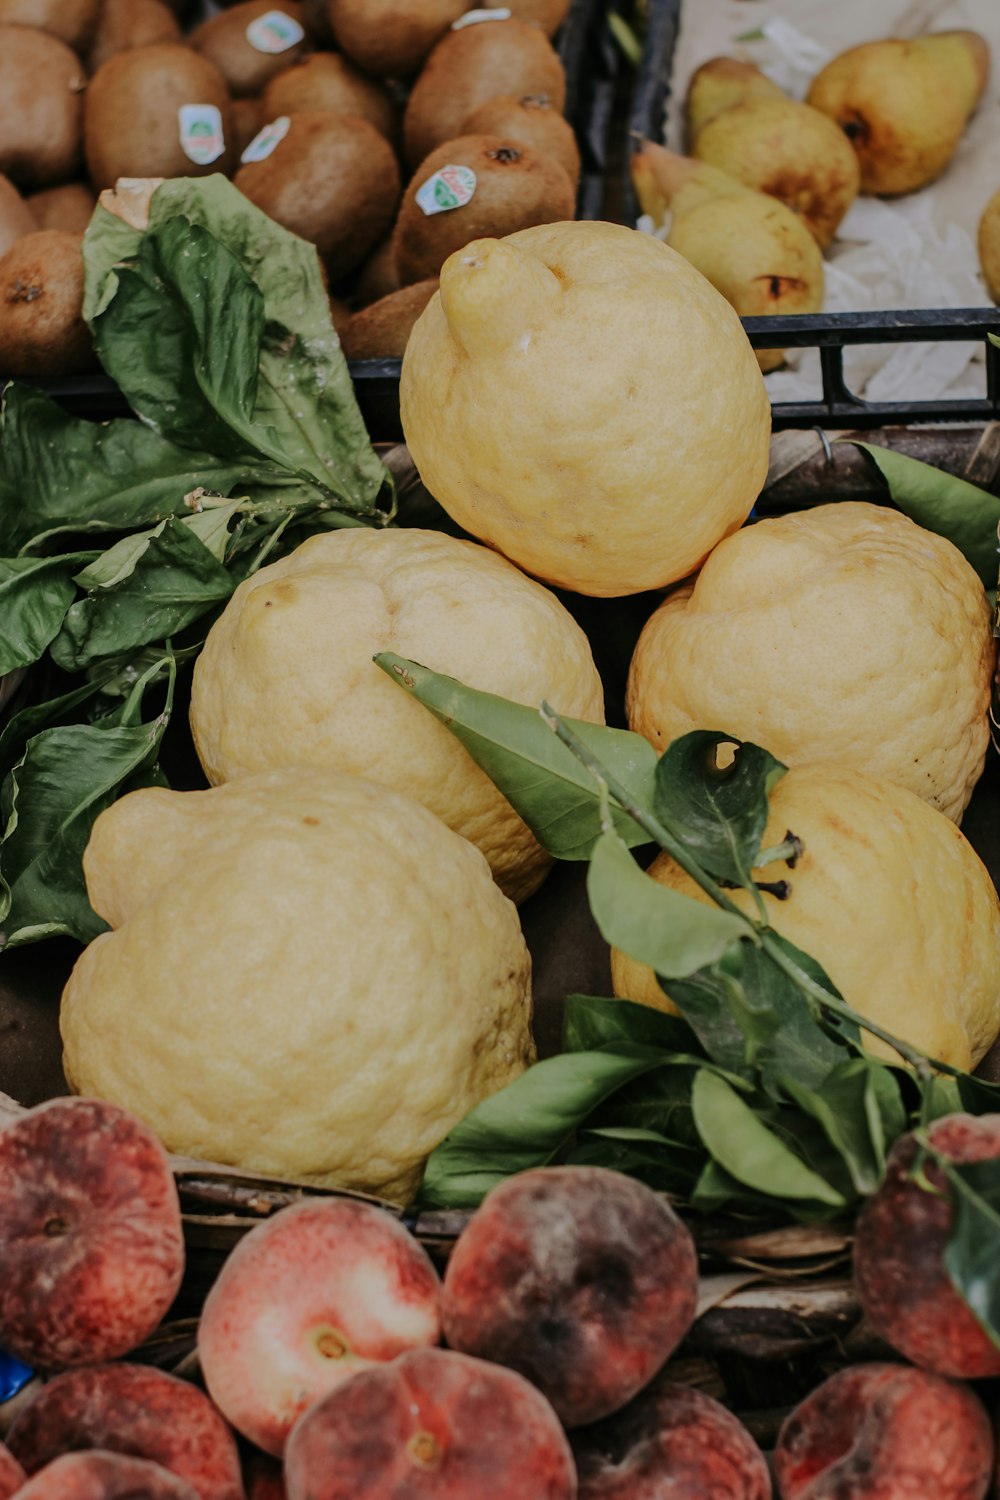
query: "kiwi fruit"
247, 118
131, 23
42, 332
224, 40
378, 276
515, 188
470, 66
334, 180
340, 314
41, 107
16, 218
381, 330
72, 21
531, 120
327, 81
391, 38
132, 115
69, 206
548, 14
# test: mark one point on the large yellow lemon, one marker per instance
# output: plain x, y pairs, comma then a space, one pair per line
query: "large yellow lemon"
892, 900
286, 676
581, 398
309, 976
846, 633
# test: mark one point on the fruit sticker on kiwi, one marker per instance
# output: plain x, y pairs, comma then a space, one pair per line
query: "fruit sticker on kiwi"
473, 17
451, 187
274, 32
265, 140
201, 135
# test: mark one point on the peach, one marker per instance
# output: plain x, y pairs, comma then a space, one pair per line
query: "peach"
430, 1425
91, 1242
263, 1477
12, 1476
136, 1411
580, 1278
98, 1475
327, 1287
670, 1441
901, 1237
882, 1432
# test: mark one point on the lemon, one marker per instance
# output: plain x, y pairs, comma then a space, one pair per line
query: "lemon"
582, 399
846, 633
889, 896
309, 976
286, 676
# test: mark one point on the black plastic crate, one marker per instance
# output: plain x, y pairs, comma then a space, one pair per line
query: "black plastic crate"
830, 333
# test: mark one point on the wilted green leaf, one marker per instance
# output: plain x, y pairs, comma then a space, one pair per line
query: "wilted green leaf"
718, 813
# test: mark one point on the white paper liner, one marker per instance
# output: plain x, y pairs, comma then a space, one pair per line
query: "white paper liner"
911, 252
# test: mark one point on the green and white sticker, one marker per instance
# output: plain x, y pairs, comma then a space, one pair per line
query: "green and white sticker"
274, 32
451, 187
200, 130
265, 140
473, 17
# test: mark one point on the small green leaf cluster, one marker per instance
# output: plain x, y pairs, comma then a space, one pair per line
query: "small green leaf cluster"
121, 542
759, 1098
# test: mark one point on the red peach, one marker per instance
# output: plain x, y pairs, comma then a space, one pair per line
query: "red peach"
91, 1242
12, 1476
98, 1475
430, 1425
671, 1441
900, 1241
580, 1278
882, 1432
133, 1410
322, 1290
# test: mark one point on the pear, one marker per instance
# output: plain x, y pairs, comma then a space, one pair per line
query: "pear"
789, 150
904, 104
989, 246
753, 249
721, 83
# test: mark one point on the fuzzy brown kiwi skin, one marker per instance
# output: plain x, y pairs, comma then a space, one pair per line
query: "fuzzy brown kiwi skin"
69, 206
391, 38
125, 24
516, 188
131, 116
16, 217
333, 180
223, 40
474, 64
72, 21
327, 81
41, 107
378, 276
42, 332
381, 330
532, 120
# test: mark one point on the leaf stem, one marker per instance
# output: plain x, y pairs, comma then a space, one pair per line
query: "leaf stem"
646, 821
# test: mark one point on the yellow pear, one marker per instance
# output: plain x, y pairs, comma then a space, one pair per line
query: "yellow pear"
904, 104
989, 245
753, 249
789, 150
720, 84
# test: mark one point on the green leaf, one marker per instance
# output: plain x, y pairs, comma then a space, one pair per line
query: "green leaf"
544, 781
971, 1257
590, 1022
784, 1036
718, 812
954, 508
61, 474
35, 594
526, 1123
305, 414
847, 1110
665, 1166
744, 1147
674, 934
146, 589
66, 777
